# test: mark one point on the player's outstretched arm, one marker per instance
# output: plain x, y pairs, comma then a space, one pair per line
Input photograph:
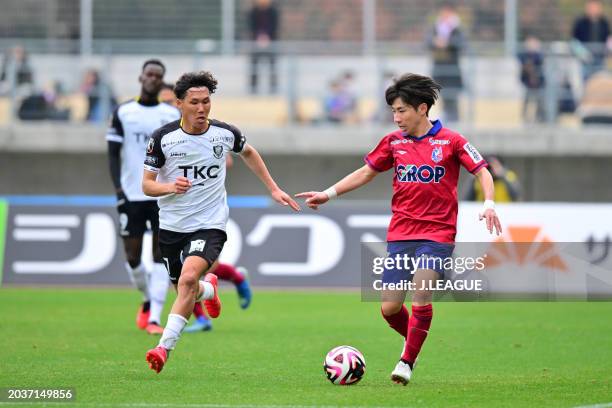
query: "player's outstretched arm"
152, 188
254, 161
488, 212
351, 182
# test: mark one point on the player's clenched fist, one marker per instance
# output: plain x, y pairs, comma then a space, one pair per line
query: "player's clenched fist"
181, 185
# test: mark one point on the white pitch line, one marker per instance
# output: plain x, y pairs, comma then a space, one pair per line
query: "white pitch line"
178, 405
602, 405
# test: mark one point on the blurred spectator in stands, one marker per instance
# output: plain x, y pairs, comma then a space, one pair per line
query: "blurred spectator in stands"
446, 41
591, 38
347, 80
383, 113
16, 60
596, 104
166, 94
340, 104
263, 19
44, 105
507, 187
16, 78
532, 77
100, 99
566, 102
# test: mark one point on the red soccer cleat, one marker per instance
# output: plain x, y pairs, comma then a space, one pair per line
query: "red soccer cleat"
157, 358
153, 328
142, 317
213, 306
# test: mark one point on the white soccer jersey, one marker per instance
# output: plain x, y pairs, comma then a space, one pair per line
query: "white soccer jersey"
132, 125
172, 152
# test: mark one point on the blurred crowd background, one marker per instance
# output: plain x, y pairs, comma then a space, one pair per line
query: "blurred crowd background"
503, 62
303, 77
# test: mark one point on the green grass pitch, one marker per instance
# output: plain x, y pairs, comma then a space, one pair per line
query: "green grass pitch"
477, 354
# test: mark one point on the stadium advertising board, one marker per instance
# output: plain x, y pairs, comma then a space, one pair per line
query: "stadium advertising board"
80, 244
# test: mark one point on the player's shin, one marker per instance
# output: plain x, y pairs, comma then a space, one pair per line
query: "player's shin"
181, 310
138, 276
398, 321
158, 288
418, 328
172, 332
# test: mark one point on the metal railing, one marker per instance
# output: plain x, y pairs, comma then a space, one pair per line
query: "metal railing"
366, 21
305, 76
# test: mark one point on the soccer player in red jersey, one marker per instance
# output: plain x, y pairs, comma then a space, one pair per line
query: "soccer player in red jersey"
426, 158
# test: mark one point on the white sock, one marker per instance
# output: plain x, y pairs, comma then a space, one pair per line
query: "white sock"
208, 291
158, 288
175, 325
138, 276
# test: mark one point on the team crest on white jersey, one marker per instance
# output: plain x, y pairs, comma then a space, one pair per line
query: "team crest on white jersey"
218, 151
150, 145
436, 154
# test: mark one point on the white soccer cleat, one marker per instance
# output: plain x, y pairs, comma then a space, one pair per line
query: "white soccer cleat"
401, 374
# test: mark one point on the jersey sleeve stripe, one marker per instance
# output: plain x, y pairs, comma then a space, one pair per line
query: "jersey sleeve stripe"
243, 149
478, 167
151, 168
369, 163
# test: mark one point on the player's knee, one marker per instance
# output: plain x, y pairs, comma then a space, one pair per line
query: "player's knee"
391, 308
421, 298
188, 281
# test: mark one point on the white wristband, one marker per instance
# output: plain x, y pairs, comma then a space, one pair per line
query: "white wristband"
331, 192
488, 205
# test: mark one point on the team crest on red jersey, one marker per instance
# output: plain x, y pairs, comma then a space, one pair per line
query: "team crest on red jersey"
436, 154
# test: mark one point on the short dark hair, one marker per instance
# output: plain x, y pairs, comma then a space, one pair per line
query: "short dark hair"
154, 62
194, 79
413, 89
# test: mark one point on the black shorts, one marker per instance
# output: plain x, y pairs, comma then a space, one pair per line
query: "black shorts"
176, 246
133, 217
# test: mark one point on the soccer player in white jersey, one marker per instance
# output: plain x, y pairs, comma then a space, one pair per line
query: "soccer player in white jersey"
227, 272
132, 124
185, 167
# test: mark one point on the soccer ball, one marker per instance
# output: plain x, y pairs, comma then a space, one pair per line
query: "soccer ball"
344, 365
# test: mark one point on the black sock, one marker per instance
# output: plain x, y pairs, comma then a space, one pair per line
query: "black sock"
146, 306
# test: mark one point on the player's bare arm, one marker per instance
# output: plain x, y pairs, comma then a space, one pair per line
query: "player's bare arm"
486, 182
254, 161
353, 181
152, 188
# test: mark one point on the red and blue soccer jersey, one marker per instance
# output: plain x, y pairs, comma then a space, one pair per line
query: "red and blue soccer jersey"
424, 203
